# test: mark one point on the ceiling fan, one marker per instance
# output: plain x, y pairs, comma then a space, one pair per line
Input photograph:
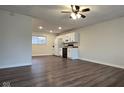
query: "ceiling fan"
76, 12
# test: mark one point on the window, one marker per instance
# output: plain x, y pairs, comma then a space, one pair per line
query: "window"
39, 40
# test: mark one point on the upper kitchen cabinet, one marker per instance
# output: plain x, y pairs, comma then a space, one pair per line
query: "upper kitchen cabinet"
66, 38
74, 37
71, 37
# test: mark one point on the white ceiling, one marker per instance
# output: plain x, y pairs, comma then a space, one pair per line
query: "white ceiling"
50, 16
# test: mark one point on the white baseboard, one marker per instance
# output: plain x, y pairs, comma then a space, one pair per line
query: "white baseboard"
104, 63
11, 66
42, 55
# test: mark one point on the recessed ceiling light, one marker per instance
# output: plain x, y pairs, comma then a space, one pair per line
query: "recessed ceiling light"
59, 27
40, 27
51, 31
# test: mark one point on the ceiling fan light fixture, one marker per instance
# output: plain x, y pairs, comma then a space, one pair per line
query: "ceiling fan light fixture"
78, 16
76, 12
73, 7
73, 16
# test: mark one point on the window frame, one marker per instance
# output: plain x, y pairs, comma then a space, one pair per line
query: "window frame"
40, 43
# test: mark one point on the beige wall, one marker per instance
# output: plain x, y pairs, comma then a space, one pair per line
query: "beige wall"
47, 49
15, 40
103, 43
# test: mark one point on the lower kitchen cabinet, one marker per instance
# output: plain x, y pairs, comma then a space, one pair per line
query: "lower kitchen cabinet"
72, 53
60, 52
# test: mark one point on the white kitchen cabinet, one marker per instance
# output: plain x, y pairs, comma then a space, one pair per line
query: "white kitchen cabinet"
71, 37
69, 52
60, 52
74, 37
66, 38
72, 53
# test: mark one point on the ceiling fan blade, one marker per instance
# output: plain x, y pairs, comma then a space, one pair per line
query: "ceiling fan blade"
65, 11
86, 10
83, 16
72, 8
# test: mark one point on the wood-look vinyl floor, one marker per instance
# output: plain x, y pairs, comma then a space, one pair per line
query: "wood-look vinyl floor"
52, 71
